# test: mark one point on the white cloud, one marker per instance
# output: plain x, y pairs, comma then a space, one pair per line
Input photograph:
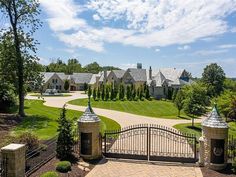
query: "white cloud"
185, 47
44, 61
227, 46
233, 30
209, 52
145, 23
96, 17
128, 65
157, 50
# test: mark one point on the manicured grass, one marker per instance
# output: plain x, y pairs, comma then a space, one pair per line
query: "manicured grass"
42, 120
154, 108
197, 130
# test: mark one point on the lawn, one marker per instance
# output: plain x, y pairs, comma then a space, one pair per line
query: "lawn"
154, 108
42, 120
197, 130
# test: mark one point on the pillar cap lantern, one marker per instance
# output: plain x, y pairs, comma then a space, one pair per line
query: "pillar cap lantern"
215, 120
89, 115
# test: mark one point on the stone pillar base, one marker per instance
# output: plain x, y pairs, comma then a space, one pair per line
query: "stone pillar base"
217, 167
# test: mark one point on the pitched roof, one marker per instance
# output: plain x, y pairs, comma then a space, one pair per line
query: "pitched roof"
159, 79
48, 75
102, 75
172, 74
93, 79
81, 78
119, 73
138, 74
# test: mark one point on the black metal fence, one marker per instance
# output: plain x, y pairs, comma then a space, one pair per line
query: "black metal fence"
3, 167
231, 149
40, 156
152, 142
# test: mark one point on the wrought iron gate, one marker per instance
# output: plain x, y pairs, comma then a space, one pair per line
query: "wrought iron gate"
3, 167
152, 142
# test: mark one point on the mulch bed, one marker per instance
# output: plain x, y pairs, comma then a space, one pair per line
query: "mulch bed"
206, 172
7, 122
50, 166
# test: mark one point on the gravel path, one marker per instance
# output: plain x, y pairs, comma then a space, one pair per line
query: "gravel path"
124, 119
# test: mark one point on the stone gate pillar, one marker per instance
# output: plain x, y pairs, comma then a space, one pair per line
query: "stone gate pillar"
15, 160
214, 141
89, 135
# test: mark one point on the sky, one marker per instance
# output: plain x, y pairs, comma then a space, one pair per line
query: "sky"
159, 33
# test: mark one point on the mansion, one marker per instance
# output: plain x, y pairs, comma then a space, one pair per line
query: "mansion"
159, 83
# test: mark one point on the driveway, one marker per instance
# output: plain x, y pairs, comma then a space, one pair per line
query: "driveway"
123, 118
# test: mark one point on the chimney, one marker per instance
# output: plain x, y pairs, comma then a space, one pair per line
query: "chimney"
150, 73
139, 65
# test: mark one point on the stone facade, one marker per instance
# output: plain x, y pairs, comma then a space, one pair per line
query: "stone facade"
214, 141
89, 133
15, 155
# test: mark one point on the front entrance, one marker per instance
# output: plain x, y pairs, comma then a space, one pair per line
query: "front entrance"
154, 142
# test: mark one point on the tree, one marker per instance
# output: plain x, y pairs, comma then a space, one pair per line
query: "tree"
179, 101
226, 103
147, 94
112, 94
38, 83
7, 96
66, 85
230, 84
213, 76
98, 94
65, 138
89, 91
23, 22
92, 68
196, 100
85, 87
121, 92
103, 92
73, 66
232, 113
94, 94
107, 93
128, 93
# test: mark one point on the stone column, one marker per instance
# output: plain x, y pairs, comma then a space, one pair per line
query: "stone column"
15, 155
201, 152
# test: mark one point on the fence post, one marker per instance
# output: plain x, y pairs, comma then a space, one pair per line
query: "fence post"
15, 155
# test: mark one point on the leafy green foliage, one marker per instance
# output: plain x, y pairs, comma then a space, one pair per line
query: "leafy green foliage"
98, 94
31, 140
227, 104
50, 174
66, 85
63, 166
107, 93
230, 84
7, 96
179, 101
85, 87
89, 91
103, 92
65, 137
213, 77
95, 94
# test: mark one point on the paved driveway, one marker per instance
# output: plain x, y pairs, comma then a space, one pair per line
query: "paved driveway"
127, 169
123, 118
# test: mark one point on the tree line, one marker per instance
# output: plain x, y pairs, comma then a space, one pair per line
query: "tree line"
113, 92
74, 66
212, 87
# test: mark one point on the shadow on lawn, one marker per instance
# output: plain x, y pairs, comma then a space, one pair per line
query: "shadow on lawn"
198, 129
34, 122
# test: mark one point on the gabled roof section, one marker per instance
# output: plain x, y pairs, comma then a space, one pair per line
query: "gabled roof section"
47, 76
172, 74
81, 78
138, 74
102, 76
119, 73
159, 79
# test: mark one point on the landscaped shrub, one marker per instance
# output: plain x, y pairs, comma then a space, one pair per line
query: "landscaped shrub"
63, 166
7, 96
31, 140
50, 174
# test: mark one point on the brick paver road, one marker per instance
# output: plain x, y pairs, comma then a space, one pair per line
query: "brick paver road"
127, 169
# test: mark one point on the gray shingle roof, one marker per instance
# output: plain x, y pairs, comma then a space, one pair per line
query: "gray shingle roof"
138, 74
119, 73
48, 75
172, 74
215, 120
159, 79
81, 78
102, 76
